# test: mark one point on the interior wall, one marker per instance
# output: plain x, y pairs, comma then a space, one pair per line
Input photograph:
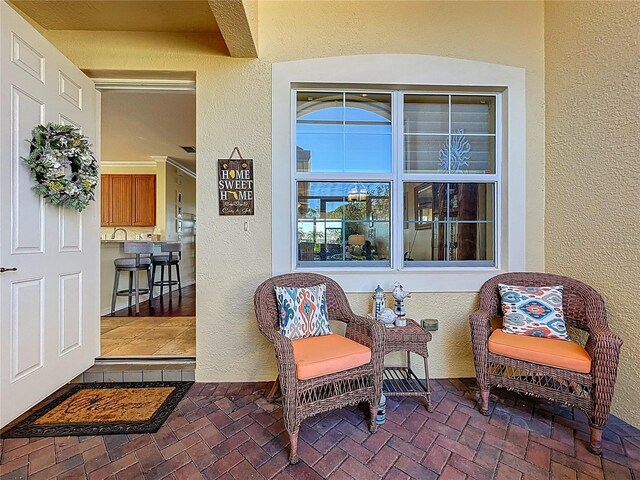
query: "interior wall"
178, 181
592, 143
234, 109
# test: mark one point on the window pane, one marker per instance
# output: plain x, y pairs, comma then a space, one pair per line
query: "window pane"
423, 245
338, 132
473, 114
471, 241
448, 221
426, 114
422, 154
368, 152
368, 108
469, 201
319, 152
472, 154
320, 107
341, 221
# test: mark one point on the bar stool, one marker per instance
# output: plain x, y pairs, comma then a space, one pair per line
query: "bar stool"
168, 260
133, 265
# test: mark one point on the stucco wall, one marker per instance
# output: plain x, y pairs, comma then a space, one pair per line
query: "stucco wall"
234, 109
593, 175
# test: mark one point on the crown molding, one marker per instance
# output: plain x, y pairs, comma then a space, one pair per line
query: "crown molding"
145, 84
128, 163
181, 167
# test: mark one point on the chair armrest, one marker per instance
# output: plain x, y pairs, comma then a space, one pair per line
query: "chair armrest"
365, 331
369, 332
604, 348
283, 347
480, 323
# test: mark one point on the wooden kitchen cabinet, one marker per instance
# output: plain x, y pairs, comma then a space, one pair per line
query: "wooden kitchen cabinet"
128, 200
120, 202
105, 200
143, 189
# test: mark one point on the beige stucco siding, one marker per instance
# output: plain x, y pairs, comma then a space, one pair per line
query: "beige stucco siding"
234, 109
593, 173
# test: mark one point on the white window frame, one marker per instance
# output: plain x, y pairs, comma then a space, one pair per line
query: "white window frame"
401, 177
412, 72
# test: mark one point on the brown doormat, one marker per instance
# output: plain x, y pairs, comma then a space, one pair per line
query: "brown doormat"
104, 409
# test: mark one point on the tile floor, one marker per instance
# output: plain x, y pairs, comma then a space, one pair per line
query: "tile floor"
137, 336
229, 431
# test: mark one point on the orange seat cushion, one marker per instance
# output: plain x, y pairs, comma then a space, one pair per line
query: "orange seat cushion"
546, 351
325, 354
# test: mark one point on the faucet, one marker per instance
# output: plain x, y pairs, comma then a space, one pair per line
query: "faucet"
113, 235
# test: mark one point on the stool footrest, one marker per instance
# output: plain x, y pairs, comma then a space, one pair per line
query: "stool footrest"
132, 293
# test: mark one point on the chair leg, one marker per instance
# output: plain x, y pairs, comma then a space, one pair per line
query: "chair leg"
130, 288
595, 446
293, 453
170, 281
179, 281
161, 281
153, 279
484, 402
274, 389
373, 410
150, 290
137, 292
116, 281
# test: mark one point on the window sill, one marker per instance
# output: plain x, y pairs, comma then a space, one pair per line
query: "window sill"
416, 279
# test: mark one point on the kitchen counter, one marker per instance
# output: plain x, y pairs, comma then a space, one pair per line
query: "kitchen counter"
120, 240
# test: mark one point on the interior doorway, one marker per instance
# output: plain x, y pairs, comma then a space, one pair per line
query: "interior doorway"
148, 204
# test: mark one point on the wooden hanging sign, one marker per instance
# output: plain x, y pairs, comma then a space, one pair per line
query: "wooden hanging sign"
235, 185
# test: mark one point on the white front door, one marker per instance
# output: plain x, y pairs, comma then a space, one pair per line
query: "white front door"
49, 305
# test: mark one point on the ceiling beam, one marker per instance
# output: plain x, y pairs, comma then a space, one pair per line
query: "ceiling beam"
238, 22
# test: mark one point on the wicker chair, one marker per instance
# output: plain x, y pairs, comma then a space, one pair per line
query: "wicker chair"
584, 309
305, 398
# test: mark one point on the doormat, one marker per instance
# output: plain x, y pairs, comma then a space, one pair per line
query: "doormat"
104, 409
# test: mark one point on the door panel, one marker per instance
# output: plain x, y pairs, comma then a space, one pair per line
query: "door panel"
70, 312
64, 120
49, 316
70, 91
28, 210
27, 58
27, 327
70, 230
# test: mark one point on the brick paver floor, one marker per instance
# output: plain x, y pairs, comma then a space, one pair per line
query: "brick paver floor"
229, 431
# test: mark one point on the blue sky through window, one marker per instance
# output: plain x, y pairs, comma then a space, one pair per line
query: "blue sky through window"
346, 139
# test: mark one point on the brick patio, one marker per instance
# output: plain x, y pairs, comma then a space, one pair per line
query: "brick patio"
229, 431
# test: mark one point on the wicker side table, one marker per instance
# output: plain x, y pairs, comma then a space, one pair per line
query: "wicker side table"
402, 381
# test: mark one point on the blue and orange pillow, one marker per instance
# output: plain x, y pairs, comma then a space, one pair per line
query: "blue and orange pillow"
533, 311
302, 311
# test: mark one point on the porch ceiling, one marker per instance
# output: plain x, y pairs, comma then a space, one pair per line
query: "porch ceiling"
233, 20
110, 15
